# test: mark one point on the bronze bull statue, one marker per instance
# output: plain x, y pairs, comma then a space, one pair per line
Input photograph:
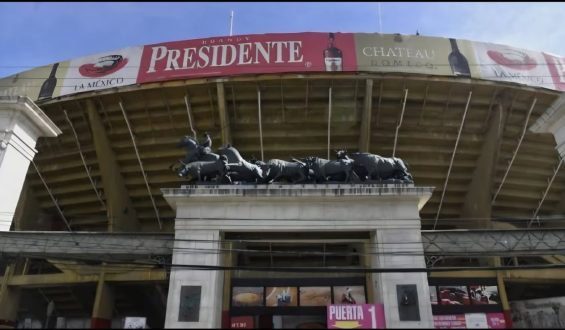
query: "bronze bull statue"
374, 167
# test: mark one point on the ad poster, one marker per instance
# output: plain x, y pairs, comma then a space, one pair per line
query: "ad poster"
102, 71
247, 296
505, 63
241, 322
450, 321
546, 313
315, 296
470, 321
365, 316
349, 294
282, 296
308, 52
453, 295
556, 67
40, 83
248, 54
413, 54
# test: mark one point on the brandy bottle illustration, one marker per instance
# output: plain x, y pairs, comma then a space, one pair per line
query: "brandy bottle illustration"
458, 62
49, 85
332, 56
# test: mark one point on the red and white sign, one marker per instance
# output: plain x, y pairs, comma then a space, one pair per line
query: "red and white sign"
102, 71
365, 316
245, 54
450, 321
470, 321
241, 322
505, 63
496, 321
556, 66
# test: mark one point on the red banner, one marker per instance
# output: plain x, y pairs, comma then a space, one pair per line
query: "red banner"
248, 54
242, 322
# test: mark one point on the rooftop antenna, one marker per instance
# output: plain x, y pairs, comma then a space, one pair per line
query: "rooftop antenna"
380, 19
231, 23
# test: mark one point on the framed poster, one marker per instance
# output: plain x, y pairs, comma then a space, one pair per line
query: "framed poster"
247, 296
282, 296
351, 295
315, 295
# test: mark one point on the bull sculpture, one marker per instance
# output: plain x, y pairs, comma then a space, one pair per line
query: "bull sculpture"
200, 170
277, 169
202, 165
240, 169
374, 167
331, 170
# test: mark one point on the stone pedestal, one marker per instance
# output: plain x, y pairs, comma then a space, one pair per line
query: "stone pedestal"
389, 212
21, 124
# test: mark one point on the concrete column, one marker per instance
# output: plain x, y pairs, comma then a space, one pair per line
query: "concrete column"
9, 301
21, 124
195, 247
553, 121
477, 203
119, 207
103, 305
386, 245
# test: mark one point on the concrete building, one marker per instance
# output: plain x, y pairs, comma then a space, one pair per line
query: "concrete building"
98, 231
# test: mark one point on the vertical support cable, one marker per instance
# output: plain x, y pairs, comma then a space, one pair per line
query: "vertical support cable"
329, 118
545, 193
83, 160
515, 151
400, 122
187, 103
452, 158
141, 165
260, 122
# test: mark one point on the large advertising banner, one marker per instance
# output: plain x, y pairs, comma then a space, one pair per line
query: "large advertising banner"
40, 83
288, 53
505, 63
548, 313
556, 66
363, 316
102, 71
248, 54
413, 54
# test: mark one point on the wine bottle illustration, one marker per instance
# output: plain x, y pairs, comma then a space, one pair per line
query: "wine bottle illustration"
49, 85
458, 62
332, 55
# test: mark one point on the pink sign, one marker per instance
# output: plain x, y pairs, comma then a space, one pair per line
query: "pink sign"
496, 321
450, 321
365, 316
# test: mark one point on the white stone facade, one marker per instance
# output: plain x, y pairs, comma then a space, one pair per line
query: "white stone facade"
389, 212
21, 124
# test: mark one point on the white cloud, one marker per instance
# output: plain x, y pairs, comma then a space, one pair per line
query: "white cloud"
534, 26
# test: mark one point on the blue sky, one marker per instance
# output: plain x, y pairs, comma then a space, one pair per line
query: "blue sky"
38, 33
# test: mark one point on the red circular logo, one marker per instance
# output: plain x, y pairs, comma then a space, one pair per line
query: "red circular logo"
513, 59
103, 67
